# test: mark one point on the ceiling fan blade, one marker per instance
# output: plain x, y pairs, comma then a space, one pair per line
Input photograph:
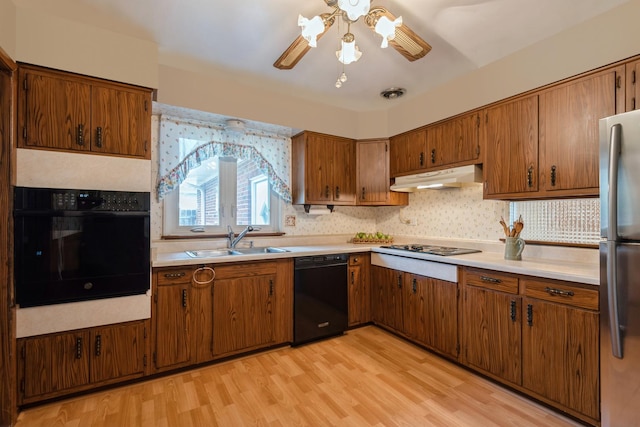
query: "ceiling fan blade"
408, 43
294, 53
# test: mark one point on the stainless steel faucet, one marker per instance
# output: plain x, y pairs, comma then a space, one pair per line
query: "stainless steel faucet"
231, 242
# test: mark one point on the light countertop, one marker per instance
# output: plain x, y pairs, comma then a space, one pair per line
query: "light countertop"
586, 272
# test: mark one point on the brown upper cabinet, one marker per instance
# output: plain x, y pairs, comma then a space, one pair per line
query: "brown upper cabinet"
632, 86
408, 152
452, 142
372, 181
64, 111
545, 145
323, 169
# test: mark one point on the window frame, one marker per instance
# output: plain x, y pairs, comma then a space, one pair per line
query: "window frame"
227, 199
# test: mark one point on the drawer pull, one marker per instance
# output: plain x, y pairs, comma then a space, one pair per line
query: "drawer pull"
414, 286
174, 275
184, 298
513, 310
98, 345
560, 292
78, 348
490, 279
399, 281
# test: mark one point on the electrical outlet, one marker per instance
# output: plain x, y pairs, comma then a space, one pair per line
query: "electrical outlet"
412, 221
290, 220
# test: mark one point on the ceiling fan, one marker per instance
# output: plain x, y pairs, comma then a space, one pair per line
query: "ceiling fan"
377, 18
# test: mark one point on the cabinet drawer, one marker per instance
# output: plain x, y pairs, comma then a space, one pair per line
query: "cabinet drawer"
491, 280
235, 271
561, 292
175, 275
356, 259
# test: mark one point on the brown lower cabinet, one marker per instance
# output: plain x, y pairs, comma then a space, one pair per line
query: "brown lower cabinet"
205, 312
56, 364
422, 309
359, 289
539, 336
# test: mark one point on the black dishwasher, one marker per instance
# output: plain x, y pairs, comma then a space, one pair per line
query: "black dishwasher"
320, 297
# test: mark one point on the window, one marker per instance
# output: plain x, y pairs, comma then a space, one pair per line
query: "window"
221, 192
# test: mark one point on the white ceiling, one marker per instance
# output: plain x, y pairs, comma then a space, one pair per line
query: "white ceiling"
245, 37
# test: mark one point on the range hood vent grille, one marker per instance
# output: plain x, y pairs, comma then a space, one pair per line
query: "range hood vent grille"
447, 178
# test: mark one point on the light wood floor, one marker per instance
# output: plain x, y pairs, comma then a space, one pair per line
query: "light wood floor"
367, 377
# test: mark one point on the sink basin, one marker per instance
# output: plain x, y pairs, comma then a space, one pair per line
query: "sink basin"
209, 253
263, 250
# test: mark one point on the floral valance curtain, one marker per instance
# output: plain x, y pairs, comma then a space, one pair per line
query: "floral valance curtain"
202, 141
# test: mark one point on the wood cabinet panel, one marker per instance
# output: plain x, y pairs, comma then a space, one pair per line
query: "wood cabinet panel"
201, 315
243, 313
511, 138
386, 287
323, 169
172, 326
55, 112
453, 141
562, 293
492, 332
562, 342
359, 289
54, 363
632, 85
408, 152
569, 135
491, 280
118, 117
65, 111
118, 352
373, 182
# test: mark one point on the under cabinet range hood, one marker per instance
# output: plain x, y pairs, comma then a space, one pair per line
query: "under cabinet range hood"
454, 177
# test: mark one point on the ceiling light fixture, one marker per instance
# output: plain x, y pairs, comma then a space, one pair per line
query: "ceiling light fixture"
391, 29
393, 92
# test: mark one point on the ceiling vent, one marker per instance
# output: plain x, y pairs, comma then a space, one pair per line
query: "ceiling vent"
393, 92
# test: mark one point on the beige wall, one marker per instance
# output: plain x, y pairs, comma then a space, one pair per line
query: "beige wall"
8, 28
54, 42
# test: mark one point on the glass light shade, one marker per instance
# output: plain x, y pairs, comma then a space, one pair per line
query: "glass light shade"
349, 52
387, 29
355, 8
311, 28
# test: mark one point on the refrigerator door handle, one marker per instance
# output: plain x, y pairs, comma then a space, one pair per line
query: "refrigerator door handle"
615, 143
612, 296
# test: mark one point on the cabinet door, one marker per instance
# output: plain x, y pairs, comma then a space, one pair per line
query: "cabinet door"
54, 112
408, 152
569, 135
632, 86
511, 142
343, 171
453, 141
442, 315
491, 332
201, 316
373, 172
415, 307
117, 352
120, 121
243, 313
172, 332
386, 285
562, 342
355, 295
55, 363
318, 159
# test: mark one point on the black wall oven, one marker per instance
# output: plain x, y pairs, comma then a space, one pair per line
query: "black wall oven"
74, 245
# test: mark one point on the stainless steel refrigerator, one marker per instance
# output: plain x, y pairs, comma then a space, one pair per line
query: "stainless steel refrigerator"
620, 270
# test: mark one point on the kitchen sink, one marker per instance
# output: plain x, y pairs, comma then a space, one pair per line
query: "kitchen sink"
260, 250
211, 253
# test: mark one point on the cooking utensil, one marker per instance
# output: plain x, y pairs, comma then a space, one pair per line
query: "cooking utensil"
505, 227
